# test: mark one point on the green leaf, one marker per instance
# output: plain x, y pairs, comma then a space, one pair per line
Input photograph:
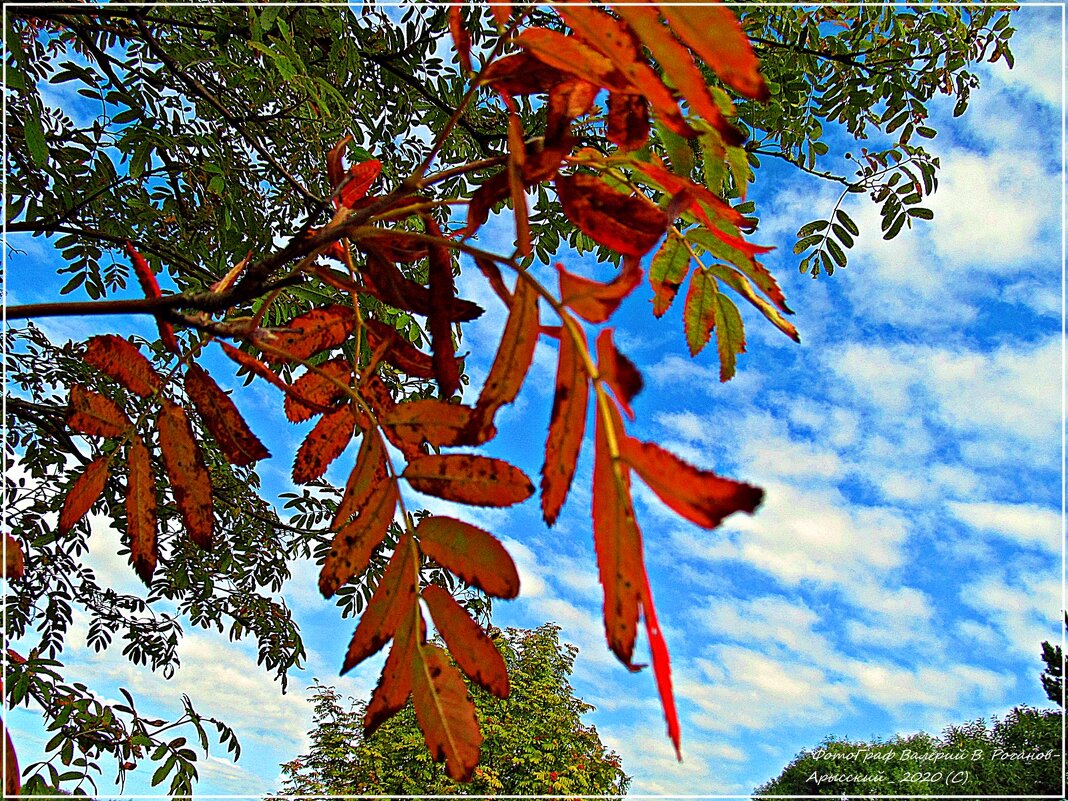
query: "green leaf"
730, 335
847, 221
922, 213
836, 252
680, 154
668, 271
35, 140
810, 228
895, 228
700, 315
843, 235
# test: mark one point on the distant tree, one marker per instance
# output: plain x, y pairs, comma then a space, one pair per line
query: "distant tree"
535, 741
1053, 675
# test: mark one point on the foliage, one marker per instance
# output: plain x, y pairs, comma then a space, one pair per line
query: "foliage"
234, 157
1053, 675
535, 742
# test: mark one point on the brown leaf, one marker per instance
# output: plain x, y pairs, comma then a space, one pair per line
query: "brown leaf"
232, 434
308, 334
396, 245
437, 422
314, 393
567, 424
121, 360
618, 371
568, 101
474, 480
624, 223
521, 74
445, 713
391, 601
474, 555
83, 493
335, 170
517, 152
700, 200
395, 685
400, 353
92, 413
356, 540
324, 443
439, 324
12, 776
593, 301
628, 120
698, 495
141, 511
189, 478
14, 562
468, 644
370, 471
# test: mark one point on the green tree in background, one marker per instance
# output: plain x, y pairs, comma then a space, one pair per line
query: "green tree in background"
535, 741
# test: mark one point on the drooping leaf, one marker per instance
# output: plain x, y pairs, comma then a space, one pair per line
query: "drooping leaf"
468, 644
189, 478
569, 55
502, 14
150, 287
314, 392
324, 443
616, 539
746, 264
593, 301
517, 156
702, 203
396, 245
121, 360
461, 38
94, 414
83, 493
567, 424
395, 685
698, 495
730, 336
391, 601
141, 510
618, 371
670, 266
740, 284
474, 555
443, 291
699, 317
568, 100
360, 178
628, 121
437, 422
624, 223
399, 352
661, 667
474, 480
445, 712
370, 471
304, 336
254, 366
224, 421
14, 563
356, 540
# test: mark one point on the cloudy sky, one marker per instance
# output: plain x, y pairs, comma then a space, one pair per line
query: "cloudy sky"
907, 561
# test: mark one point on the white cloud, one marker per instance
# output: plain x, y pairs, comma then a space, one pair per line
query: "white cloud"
1025, 608
1025, 523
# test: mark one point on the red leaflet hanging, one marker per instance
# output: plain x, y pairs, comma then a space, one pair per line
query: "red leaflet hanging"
618, 371
399, 352
189, 478
521, 74
461, 39
150, 287
593, 301
356, 540
661, 666
468, 644
567, 424
315, 393
395, 685
569, 55
141, 510
255, 366
624, 223
335, 169
324, 443
445, 712
94, 414
232, 434
121, 360
308, 334
474, 555
474, 480
439, 323
360, 178
83, 493
437, 422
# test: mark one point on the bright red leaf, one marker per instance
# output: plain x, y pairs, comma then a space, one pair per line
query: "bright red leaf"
618, 371
624, 223
324, 443
594, 301
567, 424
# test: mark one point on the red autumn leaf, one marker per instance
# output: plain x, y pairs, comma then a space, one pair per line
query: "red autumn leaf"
314, 393
308, 334
492, 272
474, 480
437, 422
324, 443
740, 284
624, 223
517, 152
521, 74
360, 178
698, 495
254, 366
356, 540
335, 170
92, 413
461, 39
568, 101
439, 323
189, 478
569, 55
369, 472
699, 197
83, 494
714, 34
141, 510
232, 434
150, 287
617, 541
396, 245
445, 712
392, 599
121, 360
401, 353
593, 301
14, 563
567, 424
489, 193
12, 776
661, 666
628, 120
473, 651
699, 317
502, 14
618, 371
668, 270
474, 555
395, 685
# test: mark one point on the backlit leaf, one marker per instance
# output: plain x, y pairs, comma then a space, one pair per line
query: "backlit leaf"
461, 39
150, 287
730, 336
395, 685
699, 317
567, 424
12, 776
360, 178
384, 281
443, 291
445, 712
468, 644
83, 493
593, 301
254, 366
661, 667
568, 54
618, 371
324, 443
515, 354
121, 360
370, 471
628, 121
442, 424
92, 413
189, 478
740, 284
314, 392
521, 74
474, 555
14, 563
232, 434
624, 223
308, 334
698, 495
474, 480
668, 270
141, 526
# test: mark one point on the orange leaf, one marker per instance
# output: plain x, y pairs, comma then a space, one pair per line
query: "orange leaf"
232, 434
628, 120
442, 424
324, 443
120, 359
593, 301
439, 323
83, 493
661, 665
618, 371
392, 599
314, 393
698, 495
568, 101
150, 287
521, 74
308, 334
517, 151
515, 354
360, 178
189, 478
141, 510
254, 366
461, 39
569, 55
369, 472
700, 197
617, 540
14, 563
713, 33
92, 413
468, 644
445, 712
567, 424
474, 555
395, 685
474, 480
356, 540
624, 223
502, 13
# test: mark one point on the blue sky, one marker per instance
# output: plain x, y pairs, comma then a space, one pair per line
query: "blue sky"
906, 564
